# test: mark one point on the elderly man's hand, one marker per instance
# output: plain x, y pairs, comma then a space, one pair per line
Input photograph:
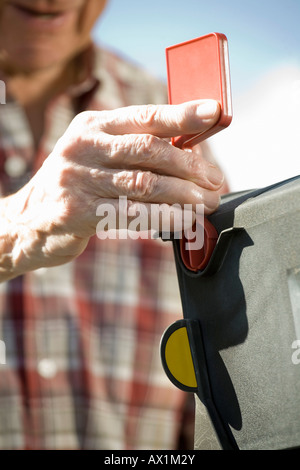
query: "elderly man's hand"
101, 156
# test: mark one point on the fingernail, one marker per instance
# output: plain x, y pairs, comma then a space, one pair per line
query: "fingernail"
215, 175
207, 109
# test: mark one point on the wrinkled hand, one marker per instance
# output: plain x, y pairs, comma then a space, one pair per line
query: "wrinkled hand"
104, 155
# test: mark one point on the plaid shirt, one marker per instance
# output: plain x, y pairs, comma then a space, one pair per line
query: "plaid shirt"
83, 367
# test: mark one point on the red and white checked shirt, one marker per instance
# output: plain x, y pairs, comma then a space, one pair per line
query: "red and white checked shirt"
83, 367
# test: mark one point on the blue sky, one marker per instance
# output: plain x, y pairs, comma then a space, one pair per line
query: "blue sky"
262, 145
261, 33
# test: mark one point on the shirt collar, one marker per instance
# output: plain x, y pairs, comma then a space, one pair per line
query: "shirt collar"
87, 81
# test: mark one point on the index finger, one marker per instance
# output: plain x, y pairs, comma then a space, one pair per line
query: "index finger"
160, 120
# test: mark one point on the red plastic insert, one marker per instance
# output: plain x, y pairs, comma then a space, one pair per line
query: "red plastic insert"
197, 260
199, 69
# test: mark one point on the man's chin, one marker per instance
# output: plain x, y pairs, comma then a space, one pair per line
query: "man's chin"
30, 60
30, 57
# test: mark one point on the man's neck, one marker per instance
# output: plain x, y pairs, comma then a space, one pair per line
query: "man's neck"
29, 88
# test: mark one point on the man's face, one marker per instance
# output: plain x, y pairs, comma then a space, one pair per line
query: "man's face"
36, 34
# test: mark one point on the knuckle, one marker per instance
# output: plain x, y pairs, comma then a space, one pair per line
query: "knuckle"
120, 149
79, 136
147, 115
83, 118
194, 166
133, 150
60, 173
66, 178
146, 145
144, 184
